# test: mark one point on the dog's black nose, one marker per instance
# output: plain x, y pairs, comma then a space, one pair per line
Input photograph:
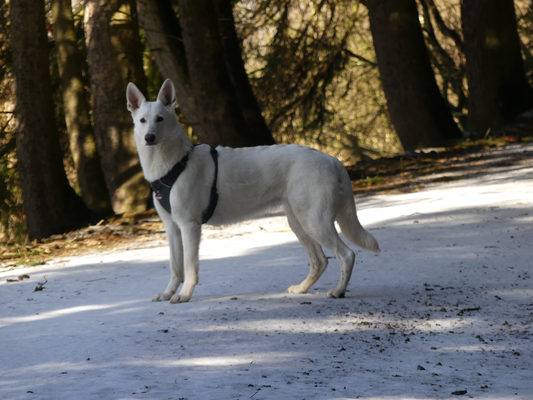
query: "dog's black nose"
150, 138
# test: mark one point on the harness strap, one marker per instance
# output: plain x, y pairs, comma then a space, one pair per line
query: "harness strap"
213, 197
162, 186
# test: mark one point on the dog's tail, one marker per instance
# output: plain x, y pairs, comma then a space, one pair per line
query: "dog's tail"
350, 225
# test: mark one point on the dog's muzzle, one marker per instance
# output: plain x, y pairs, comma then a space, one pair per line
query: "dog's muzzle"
149, 139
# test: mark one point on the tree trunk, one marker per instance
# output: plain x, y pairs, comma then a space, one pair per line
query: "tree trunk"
234, 63
498, 88
50, 204
417, 110
208, 96
115, 58
162, 29
81, 136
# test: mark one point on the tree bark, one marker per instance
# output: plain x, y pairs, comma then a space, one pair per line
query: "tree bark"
234, 63
498, 88
192, 52
220, 114
417, 110
163, 32
50, 204
81, 136
115, 58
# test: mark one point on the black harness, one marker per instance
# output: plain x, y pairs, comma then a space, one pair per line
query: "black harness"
162, 186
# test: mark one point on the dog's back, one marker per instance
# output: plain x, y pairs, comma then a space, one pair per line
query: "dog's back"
252, 180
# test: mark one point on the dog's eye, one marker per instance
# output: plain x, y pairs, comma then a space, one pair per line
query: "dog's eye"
142, 120
159, 119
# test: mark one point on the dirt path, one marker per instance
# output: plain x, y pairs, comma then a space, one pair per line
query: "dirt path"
445, 310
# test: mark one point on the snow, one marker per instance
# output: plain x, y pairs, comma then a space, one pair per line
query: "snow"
446, 307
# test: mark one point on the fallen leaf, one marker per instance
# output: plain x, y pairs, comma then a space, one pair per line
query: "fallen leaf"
459, 392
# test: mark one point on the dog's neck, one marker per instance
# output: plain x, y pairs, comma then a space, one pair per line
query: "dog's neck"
157, 161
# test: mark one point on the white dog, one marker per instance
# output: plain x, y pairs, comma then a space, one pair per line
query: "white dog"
228, 185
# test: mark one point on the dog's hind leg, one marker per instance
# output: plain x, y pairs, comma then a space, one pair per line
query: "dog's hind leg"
346, 258
329, 238
317, 259
176, 261
321, 228
191, 233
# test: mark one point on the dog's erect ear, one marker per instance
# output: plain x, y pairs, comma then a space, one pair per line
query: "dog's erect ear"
135, 97
167, 94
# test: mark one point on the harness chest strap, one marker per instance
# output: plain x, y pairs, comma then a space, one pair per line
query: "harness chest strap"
162, 186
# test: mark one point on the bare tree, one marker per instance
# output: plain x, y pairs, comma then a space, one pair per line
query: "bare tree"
498, 88
81, 136
417, 110
259, 131
50, 204
200, 52
115, 58
163, 31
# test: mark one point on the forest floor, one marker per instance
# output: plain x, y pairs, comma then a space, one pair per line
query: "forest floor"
444, 311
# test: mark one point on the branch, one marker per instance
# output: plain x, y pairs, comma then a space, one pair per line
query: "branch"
443, 28
8, 147
3, 130
447, 67
360, 58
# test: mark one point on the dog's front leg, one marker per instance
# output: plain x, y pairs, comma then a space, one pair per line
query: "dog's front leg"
191, 233
176, 261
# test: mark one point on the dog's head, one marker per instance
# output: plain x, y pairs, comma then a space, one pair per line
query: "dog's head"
152, 119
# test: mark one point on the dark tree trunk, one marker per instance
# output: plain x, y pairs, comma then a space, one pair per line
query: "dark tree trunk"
498, 88
50, 204
115, 58
212, 87
81, 136
163, 31
234, 63
219, 113
221, 117
417, 110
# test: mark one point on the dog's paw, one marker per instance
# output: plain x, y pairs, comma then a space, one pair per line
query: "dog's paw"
335, 294
162, 296
296, 289
179, 298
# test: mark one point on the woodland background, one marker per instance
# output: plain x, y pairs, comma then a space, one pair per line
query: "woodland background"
353, 78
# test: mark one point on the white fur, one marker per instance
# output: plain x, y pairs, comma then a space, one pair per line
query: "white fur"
313, 188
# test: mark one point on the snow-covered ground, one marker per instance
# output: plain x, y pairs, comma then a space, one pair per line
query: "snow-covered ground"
447, 307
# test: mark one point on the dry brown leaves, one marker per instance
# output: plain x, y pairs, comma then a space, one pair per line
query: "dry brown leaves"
412, 172
115, 233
